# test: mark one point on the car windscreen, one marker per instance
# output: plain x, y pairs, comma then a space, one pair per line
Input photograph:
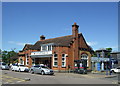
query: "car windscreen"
3, 63
21, 65
14, 65
44, 67
36, 66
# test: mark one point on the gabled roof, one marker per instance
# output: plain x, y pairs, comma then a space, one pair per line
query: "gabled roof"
27, 47
59, 41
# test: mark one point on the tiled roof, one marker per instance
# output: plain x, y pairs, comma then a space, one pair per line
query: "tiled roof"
59, 41
27, 47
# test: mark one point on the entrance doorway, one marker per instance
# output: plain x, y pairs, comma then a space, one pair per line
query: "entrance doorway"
46, 61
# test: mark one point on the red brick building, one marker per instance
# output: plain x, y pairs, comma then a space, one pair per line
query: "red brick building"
58, 53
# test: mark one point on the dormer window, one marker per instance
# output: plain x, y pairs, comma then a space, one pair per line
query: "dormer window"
49, 47
46, 47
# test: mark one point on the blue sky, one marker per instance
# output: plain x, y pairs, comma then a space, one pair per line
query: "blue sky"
24, 22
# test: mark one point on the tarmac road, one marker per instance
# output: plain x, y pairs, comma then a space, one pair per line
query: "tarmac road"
11, 77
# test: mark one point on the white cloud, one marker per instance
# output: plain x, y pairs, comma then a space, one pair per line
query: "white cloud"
92, 43
18, 43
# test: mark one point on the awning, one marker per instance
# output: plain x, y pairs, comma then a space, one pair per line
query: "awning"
40, 56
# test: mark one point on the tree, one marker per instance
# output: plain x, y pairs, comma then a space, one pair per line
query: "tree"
6, 56
110, 50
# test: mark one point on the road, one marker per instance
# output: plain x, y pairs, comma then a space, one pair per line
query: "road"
11, 77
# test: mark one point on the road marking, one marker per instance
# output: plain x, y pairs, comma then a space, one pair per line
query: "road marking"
11, 79
114, 82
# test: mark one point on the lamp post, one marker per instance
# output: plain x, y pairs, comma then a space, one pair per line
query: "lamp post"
110, 66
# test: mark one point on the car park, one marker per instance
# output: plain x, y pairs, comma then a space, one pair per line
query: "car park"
41, 69
116, 70
4, 66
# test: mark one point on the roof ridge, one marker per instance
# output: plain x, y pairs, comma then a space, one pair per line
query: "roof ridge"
28, 44
54, 38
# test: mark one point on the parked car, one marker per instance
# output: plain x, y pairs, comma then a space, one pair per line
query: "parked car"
14, 67
22, 68
81, 70
42, 69
19, 68
4, 66
116, 70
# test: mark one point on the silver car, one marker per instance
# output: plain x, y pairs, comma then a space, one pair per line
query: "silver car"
41, 69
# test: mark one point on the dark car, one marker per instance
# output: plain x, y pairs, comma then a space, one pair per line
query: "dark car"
80, 70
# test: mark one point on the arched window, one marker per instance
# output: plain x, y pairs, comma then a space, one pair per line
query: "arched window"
63, 60
21, 61
85, 57
55, 60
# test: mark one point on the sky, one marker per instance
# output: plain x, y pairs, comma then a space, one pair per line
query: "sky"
25, 22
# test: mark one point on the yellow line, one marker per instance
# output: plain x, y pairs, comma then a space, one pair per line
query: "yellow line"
8, 76
12, 78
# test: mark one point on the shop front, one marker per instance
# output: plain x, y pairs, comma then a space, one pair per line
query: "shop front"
99, 64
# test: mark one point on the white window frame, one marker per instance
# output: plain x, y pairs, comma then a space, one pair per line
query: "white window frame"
43, 46
55, 61
64, 60
33, 62
83, 56
22, 63
27, 59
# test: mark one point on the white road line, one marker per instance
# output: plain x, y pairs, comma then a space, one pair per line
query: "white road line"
19, 81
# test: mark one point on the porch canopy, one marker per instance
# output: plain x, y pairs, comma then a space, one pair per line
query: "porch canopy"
41, 54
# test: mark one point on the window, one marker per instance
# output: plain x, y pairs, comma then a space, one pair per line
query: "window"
27, 59
55, 60
85, 56
21, 61
63, 60
33, 61
44, 47
49, 47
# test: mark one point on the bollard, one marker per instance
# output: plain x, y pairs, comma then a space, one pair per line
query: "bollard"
106, 72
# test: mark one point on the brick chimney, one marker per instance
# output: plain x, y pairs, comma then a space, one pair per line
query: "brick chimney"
75, 30
75, 41
42, 37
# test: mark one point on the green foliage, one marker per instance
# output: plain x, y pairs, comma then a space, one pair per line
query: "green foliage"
94, 54
6, 56
109, 49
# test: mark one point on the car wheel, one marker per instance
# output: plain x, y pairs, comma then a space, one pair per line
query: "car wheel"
42, 72
32, 72
113, 71
19, 70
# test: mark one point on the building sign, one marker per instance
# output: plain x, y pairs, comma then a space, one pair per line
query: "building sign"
41, 53
99, 59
